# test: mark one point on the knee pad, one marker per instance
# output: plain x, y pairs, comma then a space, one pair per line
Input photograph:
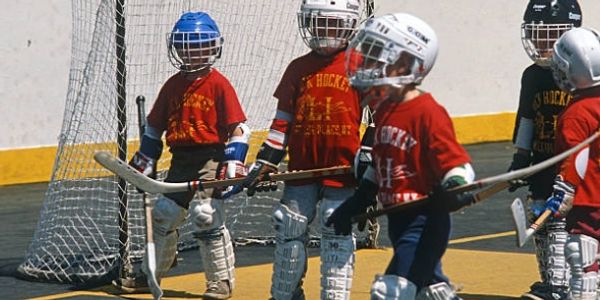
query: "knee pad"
581, 252
392, 287
167, 216
438, 291
288, 225
326, 208
216, 251
206, 214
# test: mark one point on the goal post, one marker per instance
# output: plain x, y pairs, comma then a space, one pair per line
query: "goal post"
91, 225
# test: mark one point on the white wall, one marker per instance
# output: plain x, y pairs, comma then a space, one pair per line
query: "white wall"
477, 72
34, 66
481, 57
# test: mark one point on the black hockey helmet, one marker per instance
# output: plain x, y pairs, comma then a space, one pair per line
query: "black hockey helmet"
544, 22
553, 12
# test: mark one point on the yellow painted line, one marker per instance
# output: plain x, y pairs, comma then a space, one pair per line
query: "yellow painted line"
29, 165
482, 237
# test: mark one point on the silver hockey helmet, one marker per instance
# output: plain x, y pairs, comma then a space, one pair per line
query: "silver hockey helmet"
576, 60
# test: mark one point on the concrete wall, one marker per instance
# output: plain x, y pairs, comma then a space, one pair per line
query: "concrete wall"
476, 75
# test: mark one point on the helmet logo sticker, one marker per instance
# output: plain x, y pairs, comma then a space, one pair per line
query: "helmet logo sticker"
576, 17
418, 34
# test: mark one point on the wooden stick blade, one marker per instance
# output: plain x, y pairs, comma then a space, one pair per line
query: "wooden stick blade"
527, 236
152, 282
520, 219
126, 172
539, 222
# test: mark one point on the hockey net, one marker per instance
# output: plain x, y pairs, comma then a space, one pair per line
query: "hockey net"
91, 223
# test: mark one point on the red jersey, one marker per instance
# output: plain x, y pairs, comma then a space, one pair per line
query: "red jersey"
319, 114
196, 112
579, 121
414, 147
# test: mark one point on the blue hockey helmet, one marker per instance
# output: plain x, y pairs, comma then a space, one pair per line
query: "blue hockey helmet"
195, 42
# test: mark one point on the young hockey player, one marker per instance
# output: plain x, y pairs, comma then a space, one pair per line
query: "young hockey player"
415, 153
199, 110
539, 105
576, 68
317, 120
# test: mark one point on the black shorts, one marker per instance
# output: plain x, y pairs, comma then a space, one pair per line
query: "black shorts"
191, 163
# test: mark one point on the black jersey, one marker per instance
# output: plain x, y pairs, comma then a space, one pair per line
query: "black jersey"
541, 101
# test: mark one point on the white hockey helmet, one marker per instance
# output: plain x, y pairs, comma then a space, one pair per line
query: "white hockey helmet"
379, 44
327, 25
576, 59
544, 22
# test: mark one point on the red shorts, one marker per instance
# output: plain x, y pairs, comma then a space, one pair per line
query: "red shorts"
584, 220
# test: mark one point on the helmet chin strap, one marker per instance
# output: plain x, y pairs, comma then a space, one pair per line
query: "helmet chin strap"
400, 90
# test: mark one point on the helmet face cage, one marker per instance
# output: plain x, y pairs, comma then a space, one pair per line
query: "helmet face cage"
538, 40
370, 58
560, 68
194, 51
326, 32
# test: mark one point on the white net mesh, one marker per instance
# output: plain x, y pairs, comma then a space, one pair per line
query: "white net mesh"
81, 234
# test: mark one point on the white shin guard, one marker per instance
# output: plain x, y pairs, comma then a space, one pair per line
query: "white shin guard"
392, 287
557, 266
216, 251
550, 243
581, 251
166, 217
337, 266
290, 252
337, 257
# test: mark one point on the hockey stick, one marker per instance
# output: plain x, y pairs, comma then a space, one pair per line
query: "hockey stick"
478, 197
517, 209
525, 172
148, 207
150, 185
499, 182
525, 233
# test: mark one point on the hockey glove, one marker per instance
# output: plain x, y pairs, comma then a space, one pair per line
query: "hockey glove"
443, 199
145, 159
258, 179
561, 201
520, 160
363, 198
144, 164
